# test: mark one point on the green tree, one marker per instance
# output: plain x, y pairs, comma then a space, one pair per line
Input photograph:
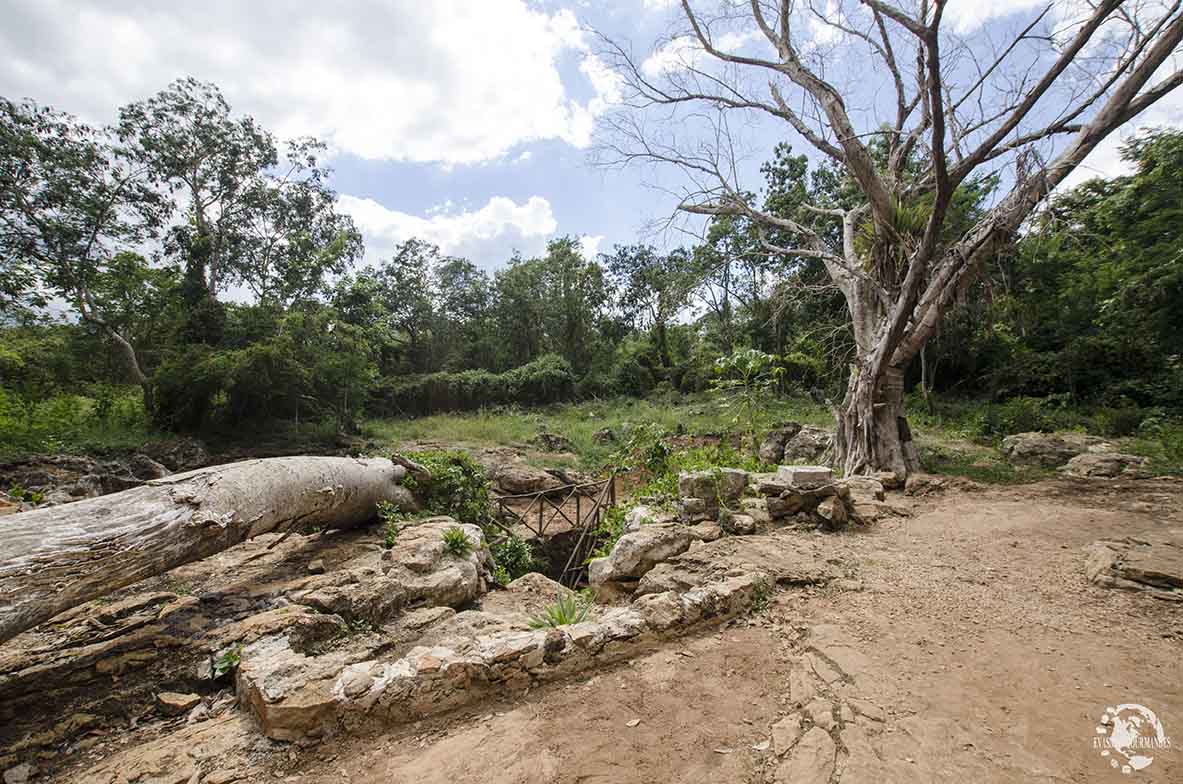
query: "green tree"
652, 289
68, 206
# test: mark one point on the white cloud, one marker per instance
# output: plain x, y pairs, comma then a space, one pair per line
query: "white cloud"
447, 81
494, 229
589, 245
969, 16
686, 52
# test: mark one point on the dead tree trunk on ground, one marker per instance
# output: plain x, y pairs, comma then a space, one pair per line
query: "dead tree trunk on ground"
56, 558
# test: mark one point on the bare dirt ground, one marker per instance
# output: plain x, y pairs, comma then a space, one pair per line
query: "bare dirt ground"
970, 638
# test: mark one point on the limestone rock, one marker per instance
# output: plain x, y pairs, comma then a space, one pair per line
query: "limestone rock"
784, 506
1041, 449
515, 478
785, 560
809, 445
636, 553
811, 761
739, 524
833, 511
804, 477
864, 489
661, 611
1151, 562
724, 485
642, 515
786, 733
705, 532
772, 448
19, 774
418, 570
173, 704
144, 467
1104, 464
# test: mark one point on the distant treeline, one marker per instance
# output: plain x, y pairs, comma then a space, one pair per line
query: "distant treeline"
1081, 309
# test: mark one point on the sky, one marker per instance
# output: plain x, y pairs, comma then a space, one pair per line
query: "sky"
469, 123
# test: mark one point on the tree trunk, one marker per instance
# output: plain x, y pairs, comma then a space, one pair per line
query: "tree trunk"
58, 557
873, 433
128, 352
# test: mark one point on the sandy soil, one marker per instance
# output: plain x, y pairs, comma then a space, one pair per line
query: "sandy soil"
970, 626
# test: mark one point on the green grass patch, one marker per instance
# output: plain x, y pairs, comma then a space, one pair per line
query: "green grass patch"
107, 420
695, 415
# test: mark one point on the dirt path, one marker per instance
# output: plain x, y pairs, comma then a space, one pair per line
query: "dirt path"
969, 642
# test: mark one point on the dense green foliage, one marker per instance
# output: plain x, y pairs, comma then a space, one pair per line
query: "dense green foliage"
120, 246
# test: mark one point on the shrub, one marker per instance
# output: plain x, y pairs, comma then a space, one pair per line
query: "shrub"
566, 611
391, 518
548, 379
457, 542
458, 486
512, 557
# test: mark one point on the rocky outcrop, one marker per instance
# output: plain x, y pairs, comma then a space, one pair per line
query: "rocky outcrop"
810, 445
643, 514
704, 492
772, 448
1151, 562
518, 478
295, 696
1039, 449
783, 558
1106, 465
636, 553
419, 570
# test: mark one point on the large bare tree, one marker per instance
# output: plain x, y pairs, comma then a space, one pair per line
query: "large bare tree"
911, 110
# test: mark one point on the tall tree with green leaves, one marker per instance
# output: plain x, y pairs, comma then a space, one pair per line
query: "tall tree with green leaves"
68, 206
652, 289
214, 165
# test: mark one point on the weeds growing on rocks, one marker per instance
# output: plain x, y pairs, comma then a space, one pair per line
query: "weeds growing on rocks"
566, 611
457, 542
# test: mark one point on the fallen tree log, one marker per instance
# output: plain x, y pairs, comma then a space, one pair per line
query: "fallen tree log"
58, 557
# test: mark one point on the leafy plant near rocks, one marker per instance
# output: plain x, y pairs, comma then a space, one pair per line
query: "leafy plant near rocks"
228, 661
458, 486
512, 557
457, 542
746, 379
644, 447
609, 531
566, 611
392, 519
20, 493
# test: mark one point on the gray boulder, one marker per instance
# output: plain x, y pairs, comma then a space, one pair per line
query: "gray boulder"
1040, 449
1104, 464
724, 485
809, 445
772, 448
636, 553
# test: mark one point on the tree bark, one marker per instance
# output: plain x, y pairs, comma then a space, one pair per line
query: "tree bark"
873, 432
56, 558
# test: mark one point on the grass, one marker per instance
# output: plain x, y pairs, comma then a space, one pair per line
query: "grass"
696, 415
73, 424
